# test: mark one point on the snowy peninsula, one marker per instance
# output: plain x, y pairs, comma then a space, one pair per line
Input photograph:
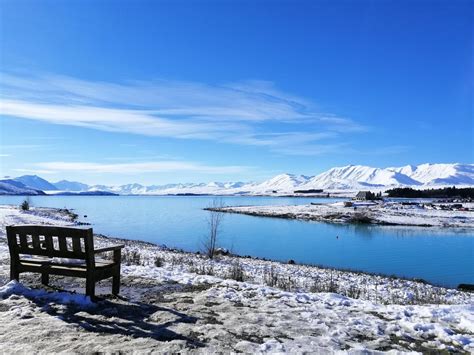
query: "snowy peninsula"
423, 214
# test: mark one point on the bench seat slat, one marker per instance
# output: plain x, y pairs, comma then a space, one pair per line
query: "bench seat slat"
99, 274
54, 270
54, 253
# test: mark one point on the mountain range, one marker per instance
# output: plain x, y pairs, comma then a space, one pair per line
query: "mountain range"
347, 178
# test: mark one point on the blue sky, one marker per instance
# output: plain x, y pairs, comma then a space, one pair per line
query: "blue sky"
187, 91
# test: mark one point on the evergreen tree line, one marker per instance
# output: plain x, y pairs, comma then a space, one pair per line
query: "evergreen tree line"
448, 192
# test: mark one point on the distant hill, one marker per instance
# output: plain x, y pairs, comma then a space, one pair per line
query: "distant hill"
13, 187
35, 182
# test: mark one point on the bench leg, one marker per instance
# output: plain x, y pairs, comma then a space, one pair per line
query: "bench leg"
116, 277
45, 278
14, 274
116, 284
90, 288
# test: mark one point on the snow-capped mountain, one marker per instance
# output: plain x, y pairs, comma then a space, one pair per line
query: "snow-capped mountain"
351, 177
440, 174
169, 189
281, 183
129, 189
36, 183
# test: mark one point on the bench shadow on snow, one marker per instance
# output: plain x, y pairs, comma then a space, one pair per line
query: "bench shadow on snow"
135, 319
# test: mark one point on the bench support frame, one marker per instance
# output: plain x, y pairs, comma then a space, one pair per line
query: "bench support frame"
52, 241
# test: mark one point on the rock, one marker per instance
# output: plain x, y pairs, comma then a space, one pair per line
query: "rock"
291, 262
222, 251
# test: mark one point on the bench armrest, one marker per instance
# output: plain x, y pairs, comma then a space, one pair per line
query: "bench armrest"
111, 248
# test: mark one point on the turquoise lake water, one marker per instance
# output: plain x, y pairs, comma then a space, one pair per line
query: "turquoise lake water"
440, 256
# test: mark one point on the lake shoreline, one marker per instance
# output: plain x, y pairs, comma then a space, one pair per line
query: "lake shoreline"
64, 217
181, 222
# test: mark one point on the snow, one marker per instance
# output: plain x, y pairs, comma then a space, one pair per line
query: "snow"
174, 308
393, 213
16, 288
10, 215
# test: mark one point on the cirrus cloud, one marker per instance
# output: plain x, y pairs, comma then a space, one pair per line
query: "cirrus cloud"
251, 113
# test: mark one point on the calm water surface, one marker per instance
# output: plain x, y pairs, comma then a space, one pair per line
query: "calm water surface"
437, 255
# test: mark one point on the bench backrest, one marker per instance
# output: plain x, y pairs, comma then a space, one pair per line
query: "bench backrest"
50, 241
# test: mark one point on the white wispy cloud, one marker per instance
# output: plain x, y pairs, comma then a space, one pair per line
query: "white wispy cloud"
113, 120
245, 113
139, 168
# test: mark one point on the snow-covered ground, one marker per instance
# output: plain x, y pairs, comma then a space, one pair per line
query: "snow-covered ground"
392, 213
190, 303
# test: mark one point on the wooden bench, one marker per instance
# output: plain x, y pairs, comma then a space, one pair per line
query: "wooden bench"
40, 249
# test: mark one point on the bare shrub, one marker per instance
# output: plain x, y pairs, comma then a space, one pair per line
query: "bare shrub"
320, 285
332, 287
202, 269
214, 222
361, 218
287, 283
132, 257
178, 260
353, 292
236, 272
158, 261
271, 276
422, 295
317, 285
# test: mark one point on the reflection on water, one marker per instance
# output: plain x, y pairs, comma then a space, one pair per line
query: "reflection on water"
438, 255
